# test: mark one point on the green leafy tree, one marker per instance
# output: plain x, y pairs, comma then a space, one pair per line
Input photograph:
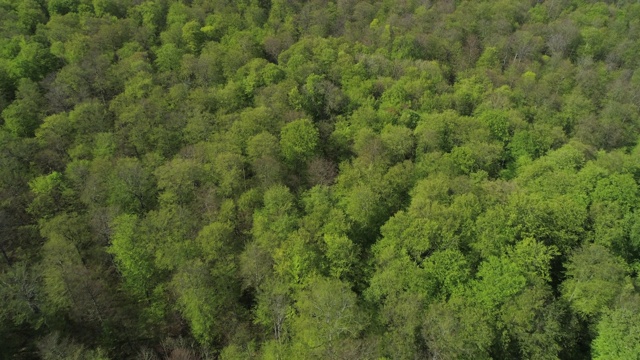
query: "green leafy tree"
274, 310
193, 36
210, 314
613, 200
595, 278
276, 219
168, 58
62, 6
21, 293
32, 61
398, 141
299, 141
47, 191
132, 255
452, 331
617, 334
170, 231
341, 253
23, 116
70, 287
262, 150
328, 314
179, 180
132, 187
30, 14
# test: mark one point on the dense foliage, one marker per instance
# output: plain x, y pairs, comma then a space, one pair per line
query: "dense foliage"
286, 179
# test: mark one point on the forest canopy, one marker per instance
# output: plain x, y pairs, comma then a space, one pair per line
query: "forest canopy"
287, 179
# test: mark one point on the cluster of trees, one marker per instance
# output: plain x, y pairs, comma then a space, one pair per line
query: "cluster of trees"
286, 179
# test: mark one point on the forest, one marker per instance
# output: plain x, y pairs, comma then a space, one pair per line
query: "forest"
348, 179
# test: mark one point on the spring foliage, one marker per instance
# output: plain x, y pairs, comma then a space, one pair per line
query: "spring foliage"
317, 179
